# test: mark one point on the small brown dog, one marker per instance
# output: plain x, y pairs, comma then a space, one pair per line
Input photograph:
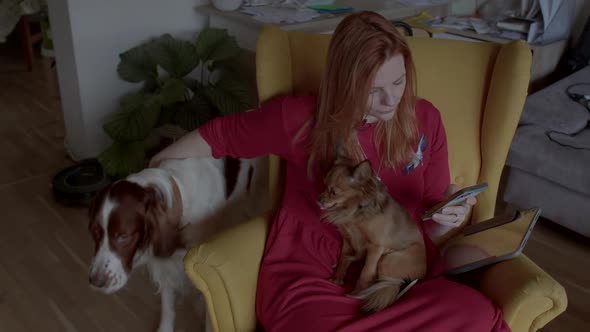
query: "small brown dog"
375, 227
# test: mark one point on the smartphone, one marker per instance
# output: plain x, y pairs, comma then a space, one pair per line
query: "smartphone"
456, 199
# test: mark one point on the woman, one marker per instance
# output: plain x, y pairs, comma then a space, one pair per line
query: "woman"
367, 101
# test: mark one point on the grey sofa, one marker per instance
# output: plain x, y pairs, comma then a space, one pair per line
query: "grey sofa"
549, 159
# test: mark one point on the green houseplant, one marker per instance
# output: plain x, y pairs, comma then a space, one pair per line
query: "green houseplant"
183, 83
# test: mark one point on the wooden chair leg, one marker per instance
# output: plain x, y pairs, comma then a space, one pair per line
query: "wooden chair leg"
26, 41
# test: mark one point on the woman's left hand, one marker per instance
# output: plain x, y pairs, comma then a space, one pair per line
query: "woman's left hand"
454, 216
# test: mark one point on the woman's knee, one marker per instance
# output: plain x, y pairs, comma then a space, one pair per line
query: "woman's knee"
450, 296
308, 309
475, 308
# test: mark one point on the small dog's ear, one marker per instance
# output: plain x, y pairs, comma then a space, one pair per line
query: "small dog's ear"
362, 172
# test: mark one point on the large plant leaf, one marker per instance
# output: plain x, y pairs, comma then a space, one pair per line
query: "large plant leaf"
226, 50
193, 114
215, 44
193, 84
167, 114
177, 57
230, 96
207, 39
232, 67
173, 90
122, 159
138, 115
150, 85
137, 65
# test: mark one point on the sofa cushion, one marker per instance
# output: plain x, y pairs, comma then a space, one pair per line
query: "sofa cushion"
551, 107
532, 151
566, 207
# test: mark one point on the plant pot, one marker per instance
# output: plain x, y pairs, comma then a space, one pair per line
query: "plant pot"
226, 5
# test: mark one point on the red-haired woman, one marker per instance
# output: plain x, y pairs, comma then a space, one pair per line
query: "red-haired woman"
366, 100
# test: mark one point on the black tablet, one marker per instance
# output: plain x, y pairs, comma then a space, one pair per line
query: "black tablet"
489, 242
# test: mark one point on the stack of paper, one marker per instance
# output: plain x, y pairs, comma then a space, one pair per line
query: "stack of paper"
422, 2
458, 23
275, 15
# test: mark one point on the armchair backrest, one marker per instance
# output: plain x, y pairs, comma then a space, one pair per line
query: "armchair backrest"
479, 88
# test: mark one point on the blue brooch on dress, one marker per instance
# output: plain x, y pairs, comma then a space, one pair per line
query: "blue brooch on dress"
418, 158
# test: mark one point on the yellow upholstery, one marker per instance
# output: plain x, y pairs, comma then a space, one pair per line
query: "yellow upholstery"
479, 88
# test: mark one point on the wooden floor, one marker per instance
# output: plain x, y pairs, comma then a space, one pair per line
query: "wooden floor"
566, 257
45, 248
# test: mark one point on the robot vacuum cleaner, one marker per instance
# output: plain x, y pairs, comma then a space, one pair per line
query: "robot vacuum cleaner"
77, 185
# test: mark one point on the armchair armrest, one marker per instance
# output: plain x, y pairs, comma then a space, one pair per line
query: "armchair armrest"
225, 270
529, 297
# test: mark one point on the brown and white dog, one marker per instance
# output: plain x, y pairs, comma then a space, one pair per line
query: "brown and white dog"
138, 221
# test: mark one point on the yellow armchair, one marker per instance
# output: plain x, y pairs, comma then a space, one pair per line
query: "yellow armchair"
479, 88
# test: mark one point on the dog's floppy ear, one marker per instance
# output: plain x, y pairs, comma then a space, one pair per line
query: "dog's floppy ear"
98, 200
163, 234
362, 172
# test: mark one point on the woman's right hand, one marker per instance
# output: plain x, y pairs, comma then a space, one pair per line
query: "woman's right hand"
155, 161
191, 145
451, 216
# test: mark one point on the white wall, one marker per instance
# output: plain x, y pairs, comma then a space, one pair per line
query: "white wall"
89, 35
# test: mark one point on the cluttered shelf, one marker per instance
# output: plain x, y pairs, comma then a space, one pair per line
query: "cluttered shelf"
321, 17
544, 24
538, 22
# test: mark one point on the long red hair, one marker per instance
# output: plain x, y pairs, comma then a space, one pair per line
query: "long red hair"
361, 43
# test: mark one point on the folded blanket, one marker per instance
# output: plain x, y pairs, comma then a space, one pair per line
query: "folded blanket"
552, 109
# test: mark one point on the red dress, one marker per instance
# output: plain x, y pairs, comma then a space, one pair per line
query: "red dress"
293, 292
